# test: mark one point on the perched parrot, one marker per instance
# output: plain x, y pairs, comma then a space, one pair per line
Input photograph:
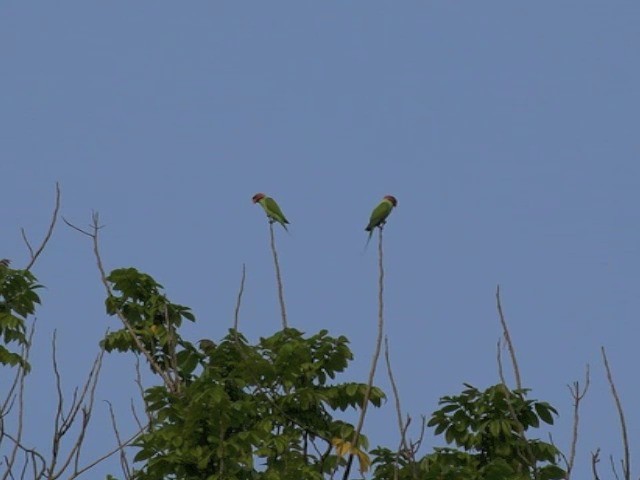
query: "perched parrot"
274, 214
380, 214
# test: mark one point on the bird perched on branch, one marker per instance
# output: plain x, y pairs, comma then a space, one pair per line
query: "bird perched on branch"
271, 208
380, 214
5, 262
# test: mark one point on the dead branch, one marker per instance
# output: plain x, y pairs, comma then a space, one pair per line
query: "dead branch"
507, 337
54, 218
626, 463
236, 315
125, 444
396, 395
124, 463
595, 459
81, 408
577, 394
376, 353
17, 440
172, 386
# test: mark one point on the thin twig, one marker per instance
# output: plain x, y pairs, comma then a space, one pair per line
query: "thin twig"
396, 395
626, 464
507, 338
124, 463
54, 218
376, 353
126, 443
577, 394
519, 427
26, 349
595, 459
236, 315
283, 309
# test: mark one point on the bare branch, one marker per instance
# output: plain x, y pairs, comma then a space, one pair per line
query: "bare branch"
376, 353
283, 309
613, 467
626, 464
172, 385
124, 463
595, 459
81, 404
17, 440
500, 366
396, 395
141, 390
577, 394
236, 316
125, 444
507, 337
54, 218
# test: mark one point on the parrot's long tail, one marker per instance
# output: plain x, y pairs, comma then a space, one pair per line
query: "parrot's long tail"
368, 240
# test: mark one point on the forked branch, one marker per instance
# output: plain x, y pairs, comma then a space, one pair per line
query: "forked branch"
577, 394
34, 254
95, 227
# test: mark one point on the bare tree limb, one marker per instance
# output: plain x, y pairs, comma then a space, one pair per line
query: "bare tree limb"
507, 337
81, 407
172, 386
124, 463
396, 395
236, 315
17, 440
577, 394
283, 309
626, 463
376, 353
54, 218
125, 444
595, 459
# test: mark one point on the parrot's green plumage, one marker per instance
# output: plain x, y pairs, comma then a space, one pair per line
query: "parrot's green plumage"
380, 214
271, 208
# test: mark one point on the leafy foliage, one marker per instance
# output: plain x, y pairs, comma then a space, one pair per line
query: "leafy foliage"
488, 428
243, 411
18, 299
253, 411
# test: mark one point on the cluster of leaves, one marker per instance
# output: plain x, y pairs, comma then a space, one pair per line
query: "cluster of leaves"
242, 411
489, 430
18, 299
253, 412
152, 319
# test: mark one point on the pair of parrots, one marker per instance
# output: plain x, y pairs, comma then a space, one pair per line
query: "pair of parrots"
378, 216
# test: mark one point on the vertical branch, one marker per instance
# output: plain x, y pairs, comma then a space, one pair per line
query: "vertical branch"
376, 353
577, 396
236, 315
626, 467
283, 309
171, 384
396, 395
595, 459
17, 441
507, 337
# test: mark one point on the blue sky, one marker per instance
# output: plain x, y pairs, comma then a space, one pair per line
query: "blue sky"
507, 131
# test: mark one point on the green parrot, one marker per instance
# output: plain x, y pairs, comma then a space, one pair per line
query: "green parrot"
380, 214
274, 214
